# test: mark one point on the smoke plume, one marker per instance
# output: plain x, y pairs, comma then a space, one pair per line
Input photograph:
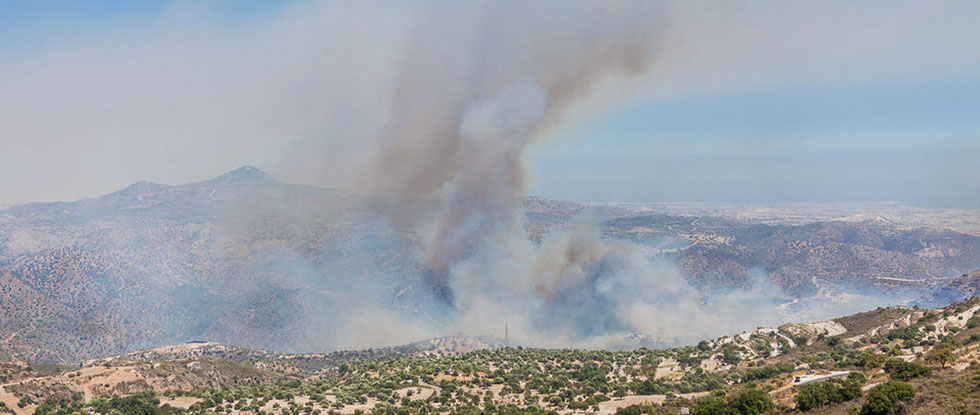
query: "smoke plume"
476, 87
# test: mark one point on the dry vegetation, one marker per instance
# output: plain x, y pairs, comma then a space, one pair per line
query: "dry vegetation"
925, 361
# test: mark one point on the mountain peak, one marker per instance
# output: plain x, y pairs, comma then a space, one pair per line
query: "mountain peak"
245, 175
141, 188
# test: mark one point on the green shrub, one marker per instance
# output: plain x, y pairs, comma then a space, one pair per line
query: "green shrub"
767, 371
143, 403
902, 370
886, 399
713, 405
635, 410
752, 402
973, 322
905, 333
749, 401
818, 394
800, 340
731, 354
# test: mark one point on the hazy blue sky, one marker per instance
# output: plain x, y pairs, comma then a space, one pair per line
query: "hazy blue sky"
756, 101
917, 142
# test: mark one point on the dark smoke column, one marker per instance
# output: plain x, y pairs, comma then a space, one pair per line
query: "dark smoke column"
478, 83
482, 201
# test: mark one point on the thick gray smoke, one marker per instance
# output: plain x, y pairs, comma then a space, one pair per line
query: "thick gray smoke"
481, 200
476, 87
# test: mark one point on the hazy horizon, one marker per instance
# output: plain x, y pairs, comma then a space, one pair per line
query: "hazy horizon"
559, 193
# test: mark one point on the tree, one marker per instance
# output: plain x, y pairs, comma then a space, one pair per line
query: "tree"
902, 370
941, 354
973, 322
871, 360
752, 402
801, 340
731, 354
635, 410
814, 395
713, 405
887, 398
143, 403
649, 387
817, 394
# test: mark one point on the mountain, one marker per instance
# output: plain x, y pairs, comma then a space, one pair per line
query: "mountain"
245, 259
154, 264
240, 258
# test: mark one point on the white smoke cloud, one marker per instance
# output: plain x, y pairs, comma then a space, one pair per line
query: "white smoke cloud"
577, 289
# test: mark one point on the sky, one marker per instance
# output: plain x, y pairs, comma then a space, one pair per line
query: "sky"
759, 101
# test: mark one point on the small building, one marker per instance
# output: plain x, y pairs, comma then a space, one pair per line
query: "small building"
810, 377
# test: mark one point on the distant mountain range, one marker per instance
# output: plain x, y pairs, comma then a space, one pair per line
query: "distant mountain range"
873, 254
245, 259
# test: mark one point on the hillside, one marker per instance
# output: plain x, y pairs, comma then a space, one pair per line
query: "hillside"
771, 364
